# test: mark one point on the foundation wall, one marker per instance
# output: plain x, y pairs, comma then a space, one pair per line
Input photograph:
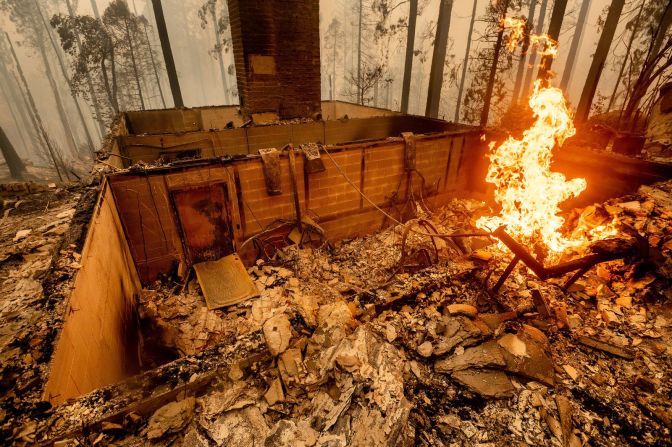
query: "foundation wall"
217, 143
98, 343
448, 162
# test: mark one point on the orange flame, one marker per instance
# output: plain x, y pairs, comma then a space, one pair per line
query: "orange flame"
544, 44
517, 30
528, 192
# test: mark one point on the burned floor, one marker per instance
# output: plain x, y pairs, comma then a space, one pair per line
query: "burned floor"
392, 338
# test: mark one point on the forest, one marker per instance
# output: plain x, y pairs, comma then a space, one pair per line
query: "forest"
69, 66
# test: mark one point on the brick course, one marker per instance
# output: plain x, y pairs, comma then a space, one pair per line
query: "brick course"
153, 233
281, 39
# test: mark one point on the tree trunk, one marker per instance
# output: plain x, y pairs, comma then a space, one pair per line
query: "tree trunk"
156, 70
465, 63
23, 123
408, 63
596, 66
360, 90
642, 83
16, 167
218, 40
64, 72
523, 57
27, 115
438, 59
664, 25
487, 98
11, 105
574, 47
333, 72
635, 29
89, 82
532, 65
133, 64
59, 101
167, 54
36, 113
554, 33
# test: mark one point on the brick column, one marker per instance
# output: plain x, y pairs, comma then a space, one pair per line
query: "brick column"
276, 46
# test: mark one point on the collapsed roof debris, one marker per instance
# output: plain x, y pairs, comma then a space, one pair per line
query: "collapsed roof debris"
346, 345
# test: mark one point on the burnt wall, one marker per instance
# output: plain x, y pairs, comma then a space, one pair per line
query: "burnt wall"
276, 46
449, 163
98, 343
238, 141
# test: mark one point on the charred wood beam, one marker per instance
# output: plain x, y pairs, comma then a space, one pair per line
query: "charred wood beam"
581, 265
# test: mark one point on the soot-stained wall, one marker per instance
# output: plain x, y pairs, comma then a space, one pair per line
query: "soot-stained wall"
450, 162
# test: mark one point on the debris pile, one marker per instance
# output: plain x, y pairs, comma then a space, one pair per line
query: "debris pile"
357, 344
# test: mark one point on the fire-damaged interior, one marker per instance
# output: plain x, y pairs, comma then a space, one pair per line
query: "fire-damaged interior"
320, 273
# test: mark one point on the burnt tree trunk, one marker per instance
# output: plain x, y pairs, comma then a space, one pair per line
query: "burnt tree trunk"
167, 53
136, 75
36, 113
487, 98
360, 89
574, 46
59, 101
410, 46
156, 70
525, 91
16, 167
19, 114
64, 72
523, 57
12, 106
635, 29
89, 82
553, 32
220, 56
465, 62
645, 76
596, 66
438, 59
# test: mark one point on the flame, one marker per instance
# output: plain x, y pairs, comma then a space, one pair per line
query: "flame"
528, 192
544, 44
517, 31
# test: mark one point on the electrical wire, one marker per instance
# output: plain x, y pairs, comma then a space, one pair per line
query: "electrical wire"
365, 197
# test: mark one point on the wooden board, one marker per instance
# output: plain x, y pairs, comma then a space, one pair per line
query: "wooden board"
225, 282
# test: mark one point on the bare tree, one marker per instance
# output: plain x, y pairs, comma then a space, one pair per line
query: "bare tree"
55, 158
493, 70
597, 64
26, 16
657, 64
167, 53
408, 62
626, 56
523, 57
554, 33
574, 46
465, 62
532, 65
438, 59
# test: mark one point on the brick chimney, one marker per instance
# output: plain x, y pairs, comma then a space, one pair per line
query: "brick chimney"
276, 45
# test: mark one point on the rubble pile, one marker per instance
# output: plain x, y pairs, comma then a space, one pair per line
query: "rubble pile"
386, 340
41, 239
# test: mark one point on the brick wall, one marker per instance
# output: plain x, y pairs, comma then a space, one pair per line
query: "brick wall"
249, 140
276, 45
446, 161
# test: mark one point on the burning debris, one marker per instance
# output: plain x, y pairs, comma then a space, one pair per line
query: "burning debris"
344, 347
